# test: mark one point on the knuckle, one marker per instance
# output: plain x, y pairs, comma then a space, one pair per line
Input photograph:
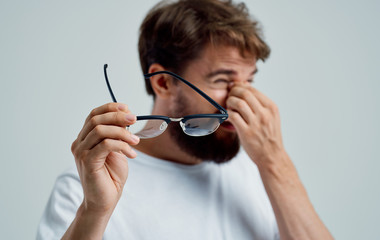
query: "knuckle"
240, 104
107, 143
117, 117
74, 146
232, 116
98, 131
111, 107
123, 107
246, 94
92, 113
229, 101
274, 108
265, 119
93, 121
79, 154
108, 107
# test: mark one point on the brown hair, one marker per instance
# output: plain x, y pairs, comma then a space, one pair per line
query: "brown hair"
172, 34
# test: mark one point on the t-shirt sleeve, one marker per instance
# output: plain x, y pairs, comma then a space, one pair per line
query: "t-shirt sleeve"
66, 197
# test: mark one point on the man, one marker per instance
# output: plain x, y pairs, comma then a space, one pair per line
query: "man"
180, 186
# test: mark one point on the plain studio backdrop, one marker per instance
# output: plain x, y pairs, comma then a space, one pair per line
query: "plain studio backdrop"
322, 73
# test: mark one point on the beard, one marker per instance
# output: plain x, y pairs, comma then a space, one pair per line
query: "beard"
218, 147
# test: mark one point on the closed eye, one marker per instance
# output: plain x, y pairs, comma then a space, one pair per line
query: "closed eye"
220, 83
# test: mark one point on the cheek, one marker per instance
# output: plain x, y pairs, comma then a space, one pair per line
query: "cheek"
220, 96
196, 104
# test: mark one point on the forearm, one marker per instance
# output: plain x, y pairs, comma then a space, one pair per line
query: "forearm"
87, 225
296, 217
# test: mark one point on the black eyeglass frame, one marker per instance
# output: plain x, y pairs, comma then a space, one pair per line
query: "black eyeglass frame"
222, 116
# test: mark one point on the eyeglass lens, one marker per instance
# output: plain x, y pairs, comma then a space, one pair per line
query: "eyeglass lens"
193, 127
197, 127
148, 128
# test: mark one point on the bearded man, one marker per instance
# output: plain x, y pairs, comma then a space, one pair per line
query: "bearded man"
209, 162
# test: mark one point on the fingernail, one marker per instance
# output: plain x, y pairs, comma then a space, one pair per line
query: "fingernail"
133, 153
135, 138
130, 117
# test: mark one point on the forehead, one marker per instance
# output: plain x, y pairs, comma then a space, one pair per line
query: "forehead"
214, 58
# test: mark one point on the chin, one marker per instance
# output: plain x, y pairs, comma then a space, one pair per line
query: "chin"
219, 147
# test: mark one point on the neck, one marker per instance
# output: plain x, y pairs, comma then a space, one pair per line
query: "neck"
163, 147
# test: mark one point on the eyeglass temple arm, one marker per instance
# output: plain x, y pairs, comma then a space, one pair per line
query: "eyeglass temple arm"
108, 83
204, 95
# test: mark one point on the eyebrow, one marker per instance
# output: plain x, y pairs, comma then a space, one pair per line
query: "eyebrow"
226, 72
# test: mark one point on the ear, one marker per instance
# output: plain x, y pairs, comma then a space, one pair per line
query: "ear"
162, 84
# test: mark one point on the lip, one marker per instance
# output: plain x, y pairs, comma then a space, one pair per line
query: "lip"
228, 126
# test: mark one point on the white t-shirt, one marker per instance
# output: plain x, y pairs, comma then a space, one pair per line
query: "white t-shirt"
167, 200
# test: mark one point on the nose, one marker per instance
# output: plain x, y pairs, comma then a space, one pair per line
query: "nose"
240, 80
231, 85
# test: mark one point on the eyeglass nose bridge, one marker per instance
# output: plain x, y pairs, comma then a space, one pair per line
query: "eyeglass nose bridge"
181, 123
176, 119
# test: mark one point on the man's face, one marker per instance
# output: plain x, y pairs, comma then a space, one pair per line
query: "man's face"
215, 73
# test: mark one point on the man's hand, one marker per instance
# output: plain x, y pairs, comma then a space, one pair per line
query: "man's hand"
257, 121
100, 152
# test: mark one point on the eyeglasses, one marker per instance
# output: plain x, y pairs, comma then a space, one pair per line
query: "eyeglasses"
195, 125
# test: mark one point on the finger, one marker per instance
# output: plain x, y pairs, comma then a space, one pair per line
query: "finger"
121, 119
109, 107
248, 95
117, 167
241, 106
237, 120
101, 132
107, 146
264, 100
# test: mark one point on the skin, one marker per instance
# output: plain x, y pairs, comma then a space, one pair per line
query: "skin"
103, 143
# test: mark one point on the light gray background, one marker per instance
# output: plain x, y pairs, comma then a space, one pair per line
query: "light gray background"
323, 74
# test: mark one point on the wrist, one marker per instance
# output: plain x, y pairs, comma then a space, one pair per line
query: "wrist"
277, 166
271, 159
88, 224
86, 210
